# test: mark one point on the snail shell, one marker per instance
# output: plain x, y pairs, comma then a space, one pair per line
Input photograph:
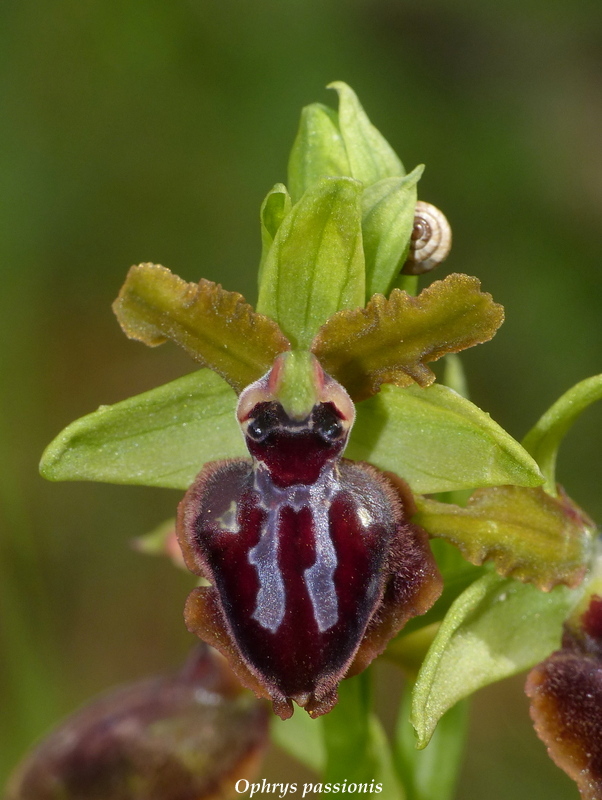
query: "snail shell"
430, 241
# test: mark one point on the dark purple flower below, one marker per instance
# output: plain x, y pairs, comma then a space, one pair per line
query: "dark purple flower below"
566, 702
186, 736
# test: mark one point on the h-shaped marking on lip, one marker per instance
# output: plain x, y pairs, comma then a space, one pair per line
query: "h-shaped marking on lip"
319, 578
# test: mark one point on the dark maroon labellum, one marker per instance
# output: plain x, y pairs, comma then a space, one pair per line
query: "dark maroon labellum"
313, 562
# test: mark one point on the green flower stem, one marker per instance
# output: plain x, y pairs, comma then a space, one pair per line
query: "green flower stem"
407, 283
357, 749
454, 375
302, 738
409, 650
431, 773
543, 440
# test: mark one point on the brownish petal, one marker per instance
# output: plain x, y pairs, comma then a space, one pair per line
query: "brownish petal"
391, 340
219, 329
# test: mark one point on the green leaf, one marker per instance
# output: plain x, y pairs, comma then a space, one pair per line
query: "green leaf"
217, 328
356, 747
371, 157
496, 628
437, 441
318, 151
409, 648
387, 223
391, 340
384, 772
302, 738
431, 773
544, 439
528, 534
159, 438
315, 266
274, 209
347, 734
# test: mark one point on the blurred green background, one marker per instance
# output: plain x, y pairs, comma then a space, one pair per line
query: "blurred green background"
147, 130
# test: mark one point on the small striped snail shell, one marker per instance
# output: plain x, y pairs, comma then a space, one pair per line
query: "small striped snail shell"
430, 241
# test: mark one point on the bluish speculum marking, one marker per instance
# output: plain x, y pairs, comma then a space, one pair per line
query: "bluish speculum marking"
319, 578
295, 470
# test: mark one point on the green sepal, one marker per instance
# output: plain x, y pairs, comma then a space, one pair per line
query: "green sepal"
315, 266
302, 738
217, 328
387, 223
371, 157
497, 628
318, 151
437, 441
391, 340
274, 209
528, 534
357, 749
543, 440
158, 438
430, 773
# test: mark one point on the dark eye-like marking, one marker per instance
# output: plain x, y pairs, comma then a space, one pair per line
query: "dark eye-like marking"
327, 423
264, 420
